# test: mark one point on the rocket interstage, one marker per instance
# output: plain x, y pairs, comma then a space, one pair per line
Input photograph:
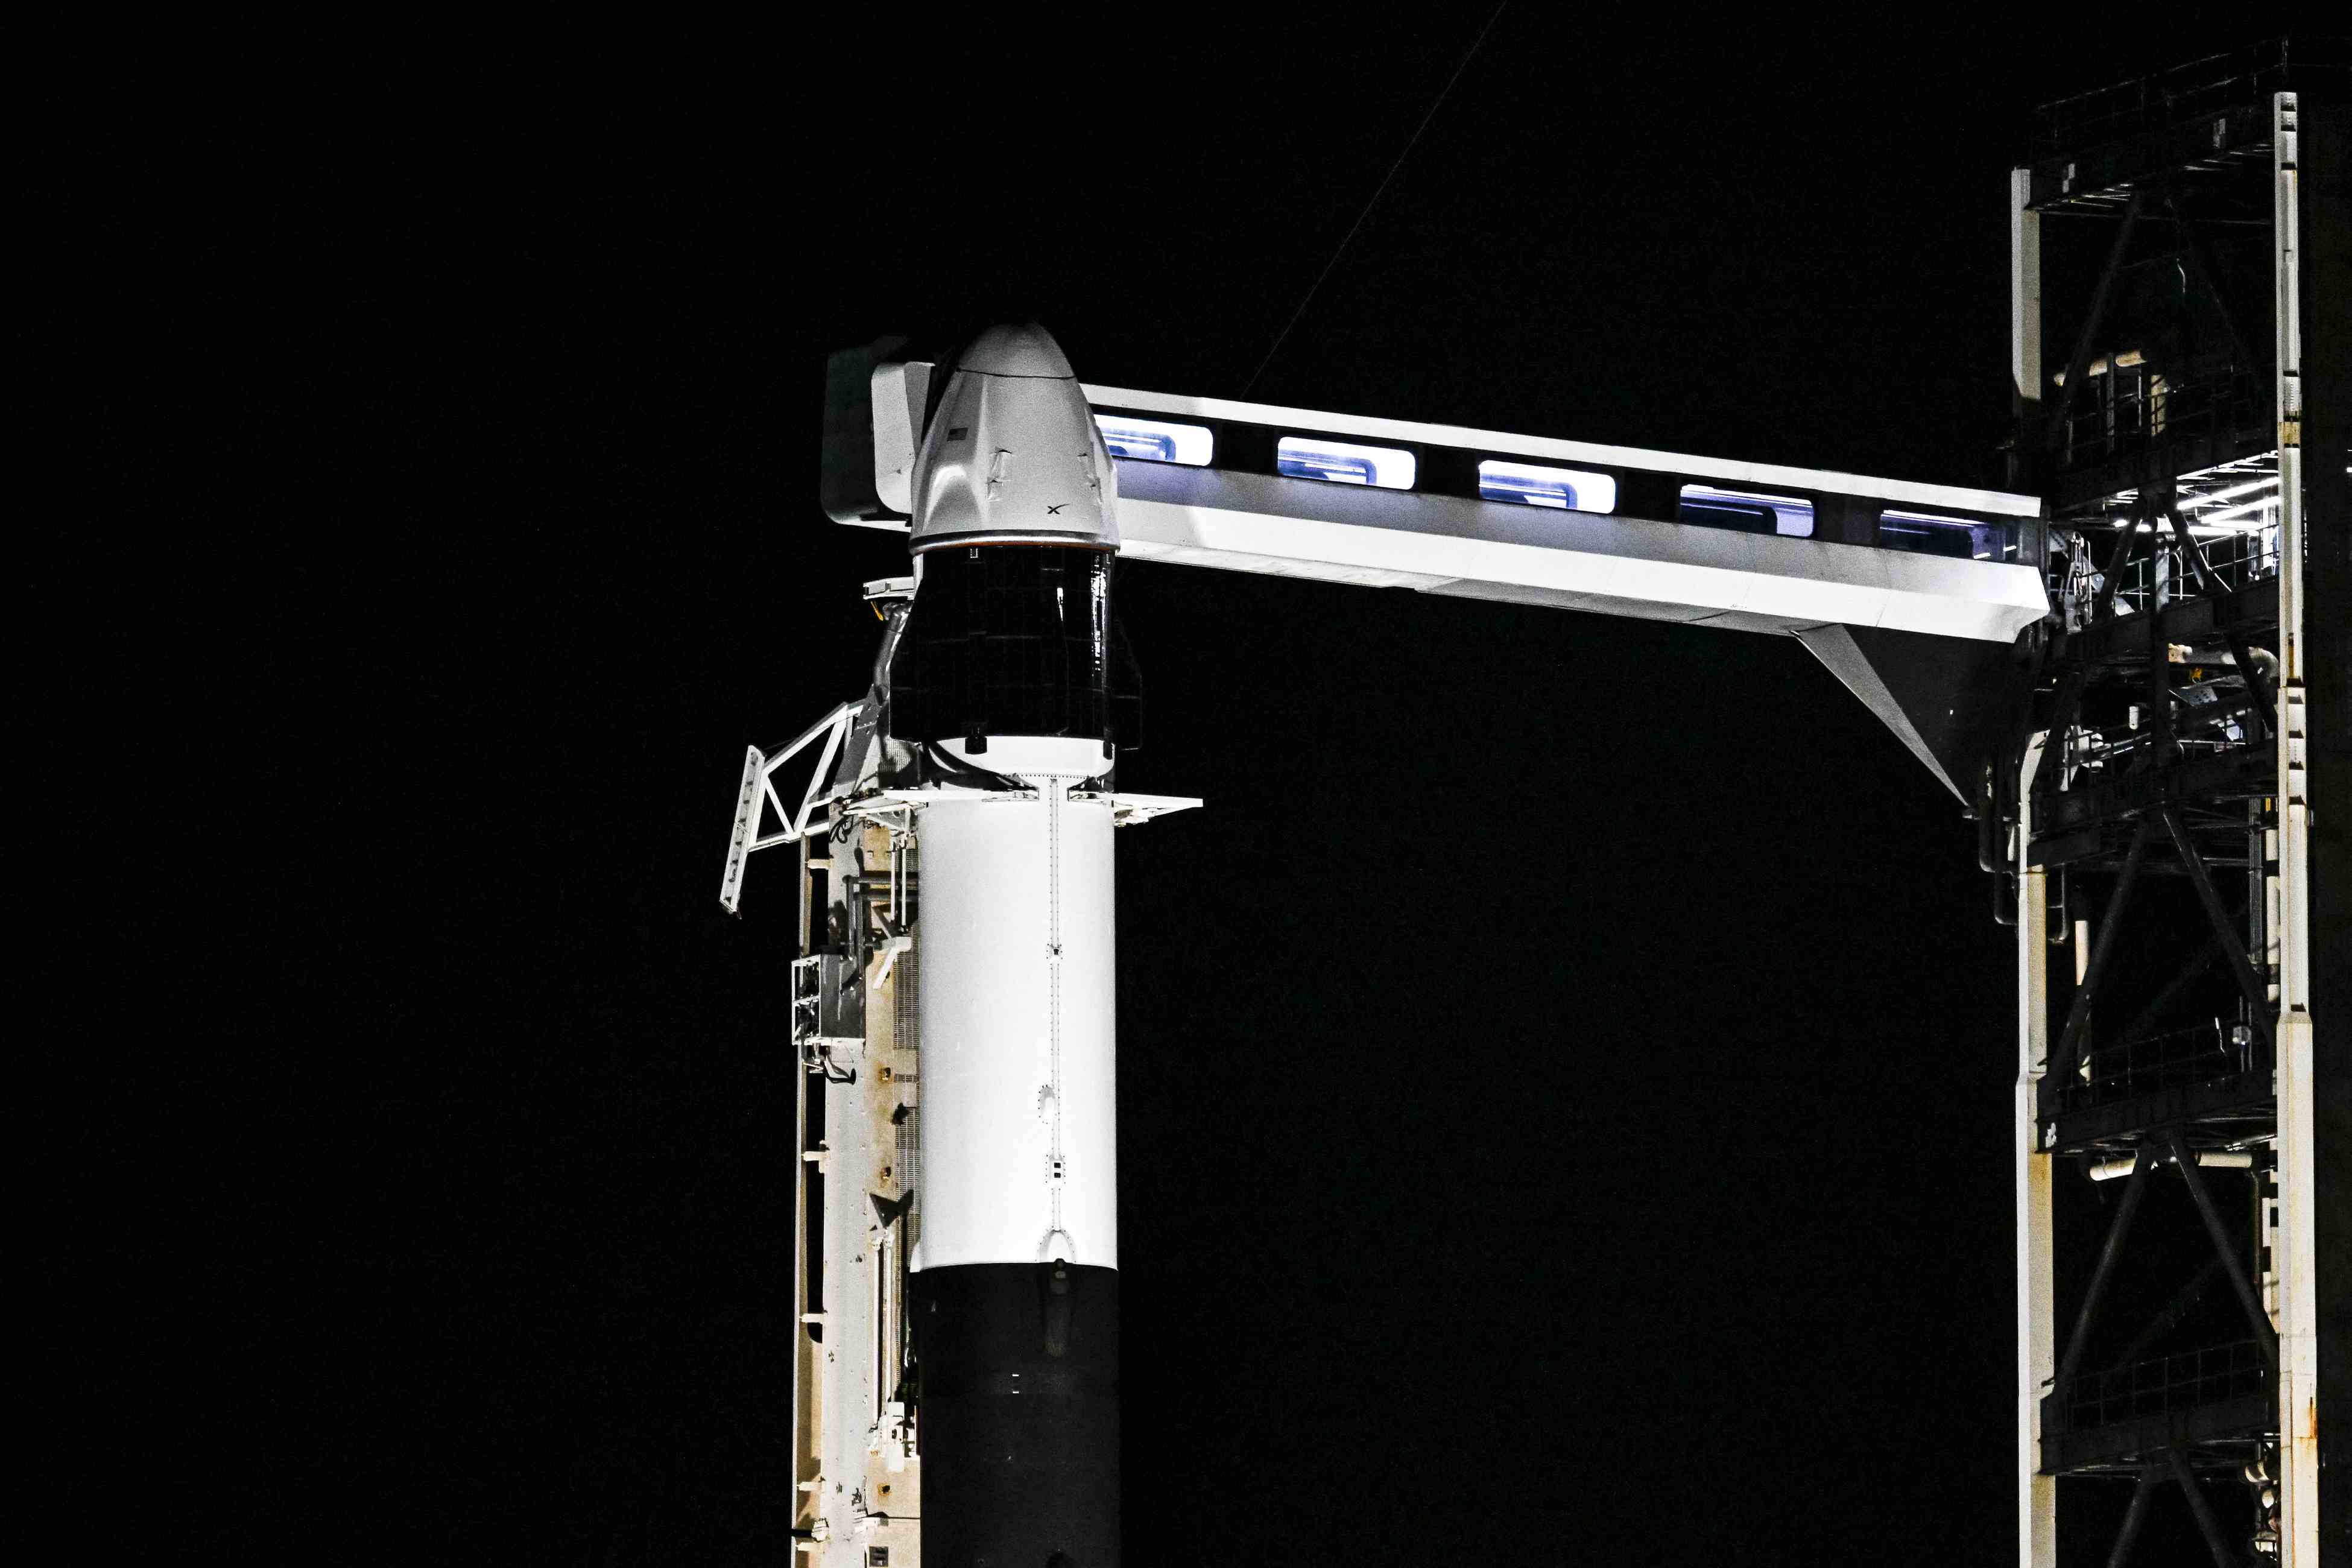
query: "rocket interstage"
1009, 664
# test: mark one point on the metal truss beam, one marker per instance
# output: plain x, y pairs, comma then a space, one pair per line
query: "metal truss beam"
2184, 1301
2249, 610
2078, 364
2250, 985
2265, 1337
2135, 1192
2209, 586
2103, 951
2201, 1507
2134, 1516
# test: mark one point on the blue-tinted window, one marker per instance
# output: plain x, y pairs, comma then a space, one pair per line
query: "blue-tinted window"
1925, 534
1531, 484
1749, 511
1156, 440
1344, 462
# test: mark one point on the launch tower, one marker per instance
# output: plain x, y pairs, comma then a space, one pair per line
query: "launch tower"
2177, 790
2134, 666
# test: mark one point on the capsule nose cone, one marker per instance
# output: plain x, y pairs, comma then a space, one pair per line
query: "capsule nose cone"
1024, 350
1012, 454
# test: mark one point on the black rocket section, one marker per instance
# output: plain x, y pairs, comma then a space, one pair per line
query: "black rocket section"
1020, 1415
1015, 639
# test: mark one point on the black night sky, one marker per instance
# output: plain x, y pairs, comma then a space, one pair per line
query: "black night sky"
1566, 1069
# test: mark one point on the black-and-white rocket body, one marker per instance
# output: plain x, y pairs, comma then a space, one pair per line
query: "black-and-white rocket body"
1007, 665
957, 1383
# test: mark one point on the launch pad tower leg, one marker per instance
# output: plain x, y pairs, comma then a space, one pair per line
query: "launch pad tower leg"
2037, 1492
2190, 795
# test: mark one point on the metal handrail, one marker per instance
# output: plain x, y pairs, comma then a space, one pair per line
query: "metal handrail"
2160, 101
2204, 1053
2162, 1384
2136, 410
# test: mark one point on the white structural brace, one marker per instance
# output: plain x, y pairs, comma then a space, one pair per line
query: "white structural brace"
2037, 1344
758, 791
1384, 531
1651, 569
1565, 560
2299, 1521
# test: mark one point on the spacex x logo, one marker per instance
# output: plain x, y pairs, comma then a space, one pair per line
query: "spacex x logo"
1057, 509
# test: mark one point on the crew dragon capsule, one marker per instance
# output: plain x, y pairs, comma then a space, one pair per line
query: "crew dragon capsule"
1007, 665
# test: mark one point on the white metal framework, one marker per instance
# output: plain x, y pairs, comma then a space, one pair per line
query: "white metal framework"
759, 793
2296, 1233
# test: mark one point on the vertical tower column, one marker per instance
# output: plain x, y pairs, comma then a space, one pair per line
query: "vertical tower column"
2037, 1494
2025, 323
2313, 191
2037, 1363
2298, 1343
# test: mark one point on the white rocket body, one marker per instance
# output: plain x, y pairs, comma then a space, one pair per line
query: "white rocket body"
1020, 1076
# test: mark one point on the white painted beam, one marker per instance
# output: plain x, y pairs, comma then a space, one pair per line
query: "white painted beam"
1569, 560
1549, 450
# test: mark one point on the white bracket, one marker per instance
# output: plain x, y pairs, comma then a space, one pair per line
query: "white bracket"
883, 960
758, 791
1133, 810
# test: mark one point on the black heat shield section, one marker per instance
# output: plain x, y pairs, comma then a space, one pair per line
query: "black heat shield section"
1015, 639
1945, 697
1019, 1414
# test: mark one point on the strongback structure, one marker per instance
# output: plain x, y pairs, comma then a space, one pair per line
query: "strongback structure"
2177, 795
2134, 665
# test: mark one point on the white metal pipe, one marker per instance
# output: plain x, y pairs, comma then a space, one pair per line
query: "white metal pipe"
2209, 1159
